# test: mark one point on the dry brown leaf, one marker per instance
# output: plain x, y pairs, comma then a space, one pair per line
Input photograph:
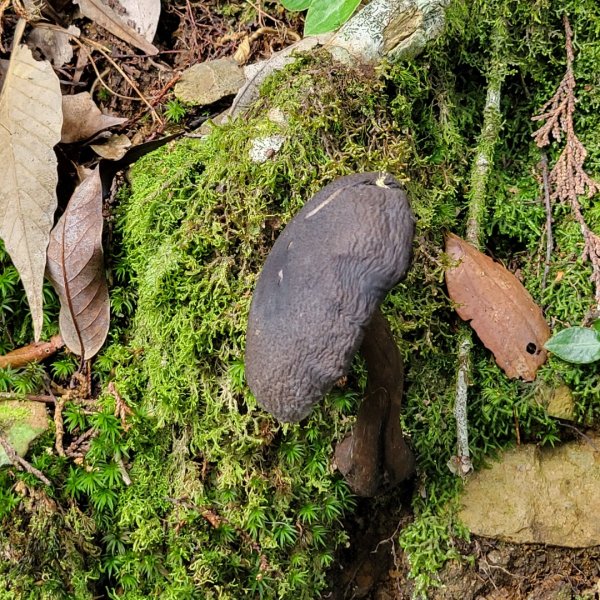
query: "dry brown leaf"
54, 44
76, 270
114, 148
499, 308
106, 17
83, 119
30, 123
242, 54
142, 15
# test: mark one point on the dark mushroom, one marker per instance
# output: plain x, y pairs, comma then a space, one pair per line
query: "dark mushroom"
317, 300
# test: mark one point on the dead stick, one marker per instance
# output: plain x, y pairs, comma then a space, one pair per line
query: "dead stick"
21, 463
35, 352
548, 206
27, 397
59, 426
461, 463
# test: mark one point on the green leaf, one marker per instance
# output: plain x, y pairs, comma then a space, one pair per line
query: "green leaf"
596, 325
296, 4
327, 15
578, 345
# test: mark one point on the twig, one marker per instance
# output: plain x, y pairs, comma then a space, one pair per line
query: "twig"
3, 6
122, 410
461, 463
59, 426
75, 447
21, 463
35, 352
548, 206
123, 471
103, 51
100, 77
27, 397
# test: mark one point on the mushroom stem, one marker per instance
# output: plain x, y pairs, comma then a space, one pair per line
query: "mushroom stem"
375, 452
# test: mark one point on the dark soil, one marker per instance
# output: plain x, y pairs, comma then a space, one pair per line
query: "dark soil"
373, 567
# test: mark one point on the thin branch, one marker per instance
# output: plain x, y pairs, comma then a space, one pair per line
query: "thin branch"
35, 352
492, 120
21, 463
548, 207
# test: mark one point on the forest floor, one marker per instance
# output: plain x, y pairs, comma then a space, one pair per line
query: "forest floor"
372, 566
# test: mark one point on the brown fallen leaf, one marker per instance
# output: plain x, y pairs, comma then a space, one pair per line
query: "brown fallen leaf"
54, 44
106, 17
76, 270
142, 15
35, 352
30, 122
499, 308
114, 148
83, 119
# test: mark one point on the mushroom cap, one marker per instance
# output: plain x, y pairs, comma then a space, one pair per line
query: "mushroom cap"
325, 276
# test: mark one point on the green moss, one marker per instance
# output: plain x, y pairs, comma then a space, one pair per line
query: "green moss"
224, 502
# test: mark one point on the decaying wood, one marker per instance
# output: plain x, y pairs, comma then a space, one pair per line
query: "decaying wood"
35, 352
375, 453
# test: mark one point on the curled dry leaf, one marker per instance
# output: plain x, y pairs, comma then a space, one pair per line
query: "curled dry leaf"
83, 119
142, 15
54, 44
30, 123
106, 17
499, 308
76, 270
114, 148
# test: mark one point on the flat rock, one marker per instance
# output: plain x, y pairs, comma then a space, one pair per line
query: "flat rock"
538, 495
20, 423
209, 81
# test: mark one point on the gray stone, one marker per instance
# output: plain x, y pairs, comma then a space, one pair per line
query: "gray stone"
538, 495
209, 81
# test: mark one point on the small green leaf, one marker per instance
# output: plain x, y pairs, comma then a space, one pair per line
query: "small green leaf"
578, 345
296, 4
327, 15
596, 325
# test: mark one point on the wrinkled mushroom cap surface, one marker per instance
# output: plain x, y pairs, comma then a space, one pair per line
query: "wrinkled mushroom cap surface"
324, 277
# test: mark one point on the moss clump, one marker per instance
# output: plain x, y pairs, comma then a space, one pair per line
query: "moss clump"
223, 502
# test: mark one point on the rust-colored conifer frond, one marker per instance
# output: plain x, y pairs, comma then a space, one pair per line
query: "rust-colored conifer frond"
568, 178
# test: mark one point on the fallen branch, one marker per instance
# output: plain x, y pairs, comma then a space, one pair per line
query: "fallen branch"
27, 397
35, 352
548, 208
461, 463
21, 463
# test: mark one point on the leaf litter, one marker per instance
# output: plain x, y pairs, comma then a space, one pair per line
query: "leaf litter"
30, 125
499, 309
83, 119
76, 270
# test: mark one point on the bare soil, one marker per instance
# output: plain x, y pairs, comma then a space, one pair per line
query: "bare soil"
373, 567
